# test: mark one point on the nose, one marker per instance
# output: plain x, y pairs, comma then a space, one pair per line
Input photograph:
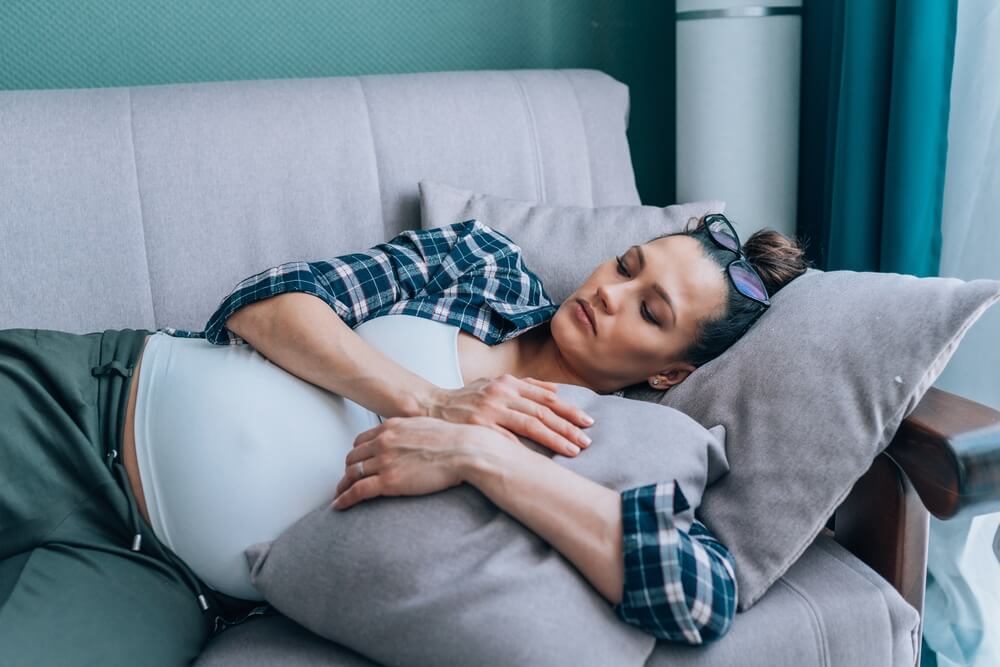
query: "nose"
608, 297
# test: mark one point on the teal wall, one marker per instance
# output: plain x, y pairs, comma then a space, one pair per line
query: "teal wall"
100, 43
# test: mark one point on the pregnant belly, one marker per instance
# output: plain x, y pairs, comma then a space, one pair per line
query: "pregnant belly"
234, 449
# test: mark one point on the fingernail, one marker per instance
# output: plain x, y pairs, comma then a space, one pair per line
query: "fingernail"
574, 449
584, 438
588, 420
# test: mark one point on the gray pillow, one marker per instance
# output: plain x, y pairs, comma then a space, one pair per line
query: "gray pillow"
450, 579
810, 395
563, 242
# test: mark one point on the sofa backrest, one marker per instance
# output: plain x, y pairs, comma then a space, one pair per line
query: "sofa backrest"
143, 206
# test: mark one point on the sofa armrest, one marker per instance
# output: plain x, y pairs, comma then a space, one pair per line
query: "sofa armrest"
944, 459
949, 449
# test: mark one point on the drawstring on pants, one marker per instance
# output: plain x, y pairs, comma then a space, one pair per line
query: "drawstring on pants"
117, 366
118, 471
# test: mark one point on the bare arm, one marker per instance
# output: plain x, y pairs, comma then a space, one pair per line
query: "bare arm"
303, 335
301, 315
674, 584
580, 518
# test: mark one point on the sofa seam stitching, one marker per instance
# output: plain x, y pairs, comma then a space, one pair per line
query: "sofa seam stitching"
378, 171
540, 194
586, 135
814, 617
881, 595
142, 215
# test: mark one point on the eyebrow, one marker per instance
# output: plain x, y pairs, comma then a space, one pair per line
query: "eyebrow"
656, 286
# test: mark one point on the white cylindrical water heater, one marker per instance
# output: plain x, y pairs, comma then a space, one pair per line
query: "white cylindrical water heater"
738, 66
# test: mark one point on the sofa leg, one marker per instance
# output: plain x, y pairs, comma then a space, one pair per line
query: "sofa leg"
884, 523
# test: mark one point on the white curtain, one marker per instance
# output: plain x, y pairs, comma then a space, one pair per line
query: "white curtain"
962, 611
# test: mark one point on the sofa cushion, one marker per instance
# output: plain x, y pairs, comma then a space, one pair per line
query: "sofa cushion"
313, 168
449, 578
272, 640
827, 609
72, 255
561, 244
155, 200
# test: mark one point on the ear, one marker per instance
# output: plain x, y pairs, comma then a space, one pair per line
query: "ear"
670, 376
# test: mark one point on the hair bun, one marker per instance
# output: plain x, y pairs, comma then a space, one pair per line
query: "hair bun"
777, 258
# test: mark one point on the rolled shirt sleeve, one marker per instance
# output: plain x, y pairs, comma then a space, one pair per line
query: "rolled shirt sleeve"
679, 585
466, 274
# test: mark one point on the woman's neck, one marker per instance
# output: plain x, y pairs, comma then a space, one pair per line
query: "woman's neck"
535, 354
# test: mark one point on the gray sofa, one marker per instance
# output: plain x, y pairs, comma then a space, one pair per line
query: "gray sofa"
141, 207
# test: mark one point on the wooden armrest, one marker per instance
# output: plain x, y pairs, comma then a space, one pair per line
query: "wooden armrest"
945, 459
949, 448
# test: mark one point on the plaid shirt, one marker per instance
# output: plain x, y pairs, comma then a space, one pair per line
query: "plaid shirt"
678, 585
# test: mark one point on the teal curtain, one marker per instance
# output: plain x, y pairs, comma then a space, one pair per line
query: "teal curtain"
876, 78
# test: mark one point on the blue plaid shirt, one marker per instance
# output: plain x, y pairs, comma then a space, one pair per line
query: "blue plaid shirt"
679, 585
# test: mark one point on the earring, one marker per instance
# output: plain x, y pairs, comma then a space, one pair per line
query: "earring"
656, 382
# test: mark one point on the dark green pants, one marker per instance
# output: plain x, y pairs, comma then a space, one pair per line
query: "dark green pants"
77, 587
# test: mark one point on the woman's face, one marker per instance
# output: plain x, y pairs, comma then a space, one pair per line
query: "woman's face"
639, 335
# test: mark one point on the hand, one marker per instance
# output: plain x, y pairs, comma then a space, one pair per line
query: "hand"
510, 405
406, 456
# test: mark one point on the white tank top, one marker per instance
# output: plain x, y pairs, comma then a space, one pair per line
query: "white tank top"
232, 449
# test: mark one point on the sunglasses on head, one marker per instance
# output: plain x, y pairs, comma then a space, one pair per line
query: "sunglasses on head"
745, 279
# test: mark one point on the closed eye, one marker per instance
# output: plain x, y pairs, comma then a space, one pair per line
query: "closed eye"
644, 311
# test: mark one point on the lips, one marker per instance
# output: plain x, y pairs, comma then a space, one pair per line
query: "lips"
589, 313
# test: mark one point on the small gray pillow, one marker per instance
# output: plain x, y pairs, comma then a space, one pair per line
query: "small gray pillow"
561, 244
810, 395
450, 579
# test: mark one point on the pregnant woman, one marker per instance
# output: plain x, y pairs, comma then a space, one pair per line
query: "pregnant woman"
136, 466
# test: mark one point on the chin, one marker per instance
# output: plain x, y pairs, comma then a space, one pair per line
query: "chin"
566, 337
566, 319
575, 345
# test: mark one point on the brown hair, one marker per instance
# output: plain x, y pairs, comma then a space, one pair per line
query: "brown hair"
776, 258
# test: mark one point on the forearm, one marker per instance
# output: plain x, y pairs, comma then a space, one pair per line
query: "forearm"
580, 518
679, 585
303, 335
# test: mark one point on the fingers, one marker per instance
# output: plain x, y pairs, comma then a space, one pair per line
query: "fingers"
535, 427
369, 487
351, 472
563, 431
374, 431
544, 384
545, 394
365, 436
360, 452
